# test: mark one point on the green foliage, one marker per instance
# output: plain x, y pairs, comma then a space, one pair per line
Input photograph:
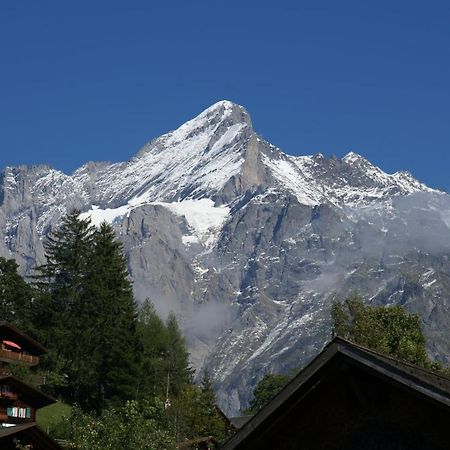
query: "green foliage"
152, 334
103, 353
111, 329
389, 330
265, 390
164, 359
15, 296
61, 309
21, 372
194, 414
134, 426
86, 314
177, 357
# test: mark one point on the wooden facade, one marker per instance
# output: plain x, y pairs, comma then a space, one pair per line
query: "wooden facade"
17, 348
18, 400
352, 398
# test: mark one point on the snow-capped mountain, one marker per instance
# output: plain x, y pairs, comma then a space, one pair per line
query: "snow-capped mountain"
248, 245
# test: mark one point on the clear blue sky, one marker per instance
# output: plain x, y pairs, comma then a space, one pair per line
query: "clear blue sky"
95, 80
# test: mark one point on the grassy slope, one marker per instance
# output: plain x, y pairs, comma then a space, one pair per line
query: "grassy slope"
51, 415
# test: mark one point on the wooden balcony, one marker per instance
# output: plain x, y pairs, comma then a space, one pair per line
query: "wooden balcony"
17, 357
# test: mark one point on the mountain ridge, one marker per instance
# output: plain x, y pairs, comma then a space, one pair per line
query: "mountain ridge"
248, 245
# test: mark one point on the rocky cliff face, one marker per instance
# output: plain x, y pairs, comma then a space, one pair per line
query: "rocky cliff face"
249, 246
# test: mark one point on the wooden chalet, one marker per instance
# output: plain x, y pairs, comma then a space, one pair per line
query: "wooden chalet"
352, 398
29, 435
18, 400
18, 348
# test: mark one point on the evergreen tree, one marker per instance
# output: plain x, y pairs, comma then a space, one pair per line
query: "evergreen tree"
87, 312
152, 334
15, 296
178, 368
214, 422
111, 335
61, 311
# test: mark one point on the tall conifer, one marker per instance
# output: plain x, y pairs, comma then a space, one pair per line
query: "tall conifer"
111, 338
15, 296
178, 357
61, 309
153, 338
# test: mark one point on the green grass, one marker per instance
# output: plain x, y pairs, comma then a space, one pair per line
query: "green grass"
50, 416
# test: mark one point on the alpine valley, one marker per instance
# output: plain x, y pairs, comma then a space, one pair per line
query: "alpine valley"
249, 246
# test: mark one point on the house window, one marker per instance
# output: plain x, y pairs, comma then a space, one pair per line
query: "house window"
21, 413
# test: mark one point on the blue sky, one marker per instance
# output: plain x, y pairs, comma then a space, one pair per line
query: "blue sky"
95, 80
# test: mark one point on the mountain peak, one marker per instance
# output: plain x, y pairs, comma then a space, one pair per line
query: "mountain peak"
223, 110
226, 104
352, 157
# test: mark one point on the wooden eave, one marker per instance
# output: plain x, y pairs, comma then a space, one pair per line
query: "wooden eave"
27, 393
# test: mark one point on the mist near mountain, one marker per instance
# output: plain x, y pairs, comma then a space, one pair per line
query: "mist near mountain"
249, 246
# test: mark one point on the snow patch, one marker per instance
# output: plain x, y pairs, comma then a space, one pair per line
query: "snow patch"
107, 215
202, 216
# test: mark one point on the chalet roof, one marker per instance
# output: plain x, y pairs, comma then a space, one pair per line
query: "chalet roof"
9, 331
27, 433
29, 394
414, 379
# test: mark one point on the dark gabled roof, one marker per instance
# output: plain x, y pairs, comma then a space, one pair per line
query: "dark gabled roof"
7, 330
27, 393
417, 380
28, 433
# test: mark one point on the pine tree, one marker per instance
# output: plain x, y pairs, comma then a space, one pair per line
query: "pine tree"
214, 422
87, 310
152, 334
178, 367
15, 296
61, 311
111, 338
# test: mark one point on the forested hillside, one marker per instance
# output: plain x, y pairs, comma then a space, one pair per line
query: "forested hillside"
124, 370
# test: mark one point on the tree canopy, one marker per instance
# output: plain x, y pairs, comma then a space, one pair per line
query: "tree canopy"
265, 390
389, 330
115, 362
87, 313
15, 296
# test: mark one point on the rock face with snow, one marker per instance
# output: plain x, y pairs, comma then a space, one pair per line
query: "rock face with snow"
249, 246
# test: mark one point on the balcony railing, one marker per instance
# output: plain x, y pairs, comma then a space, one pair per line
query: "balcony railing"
19, 357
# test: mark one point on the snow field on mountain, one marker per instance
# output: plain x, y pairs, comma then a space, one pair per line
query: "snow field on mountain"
202, 216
